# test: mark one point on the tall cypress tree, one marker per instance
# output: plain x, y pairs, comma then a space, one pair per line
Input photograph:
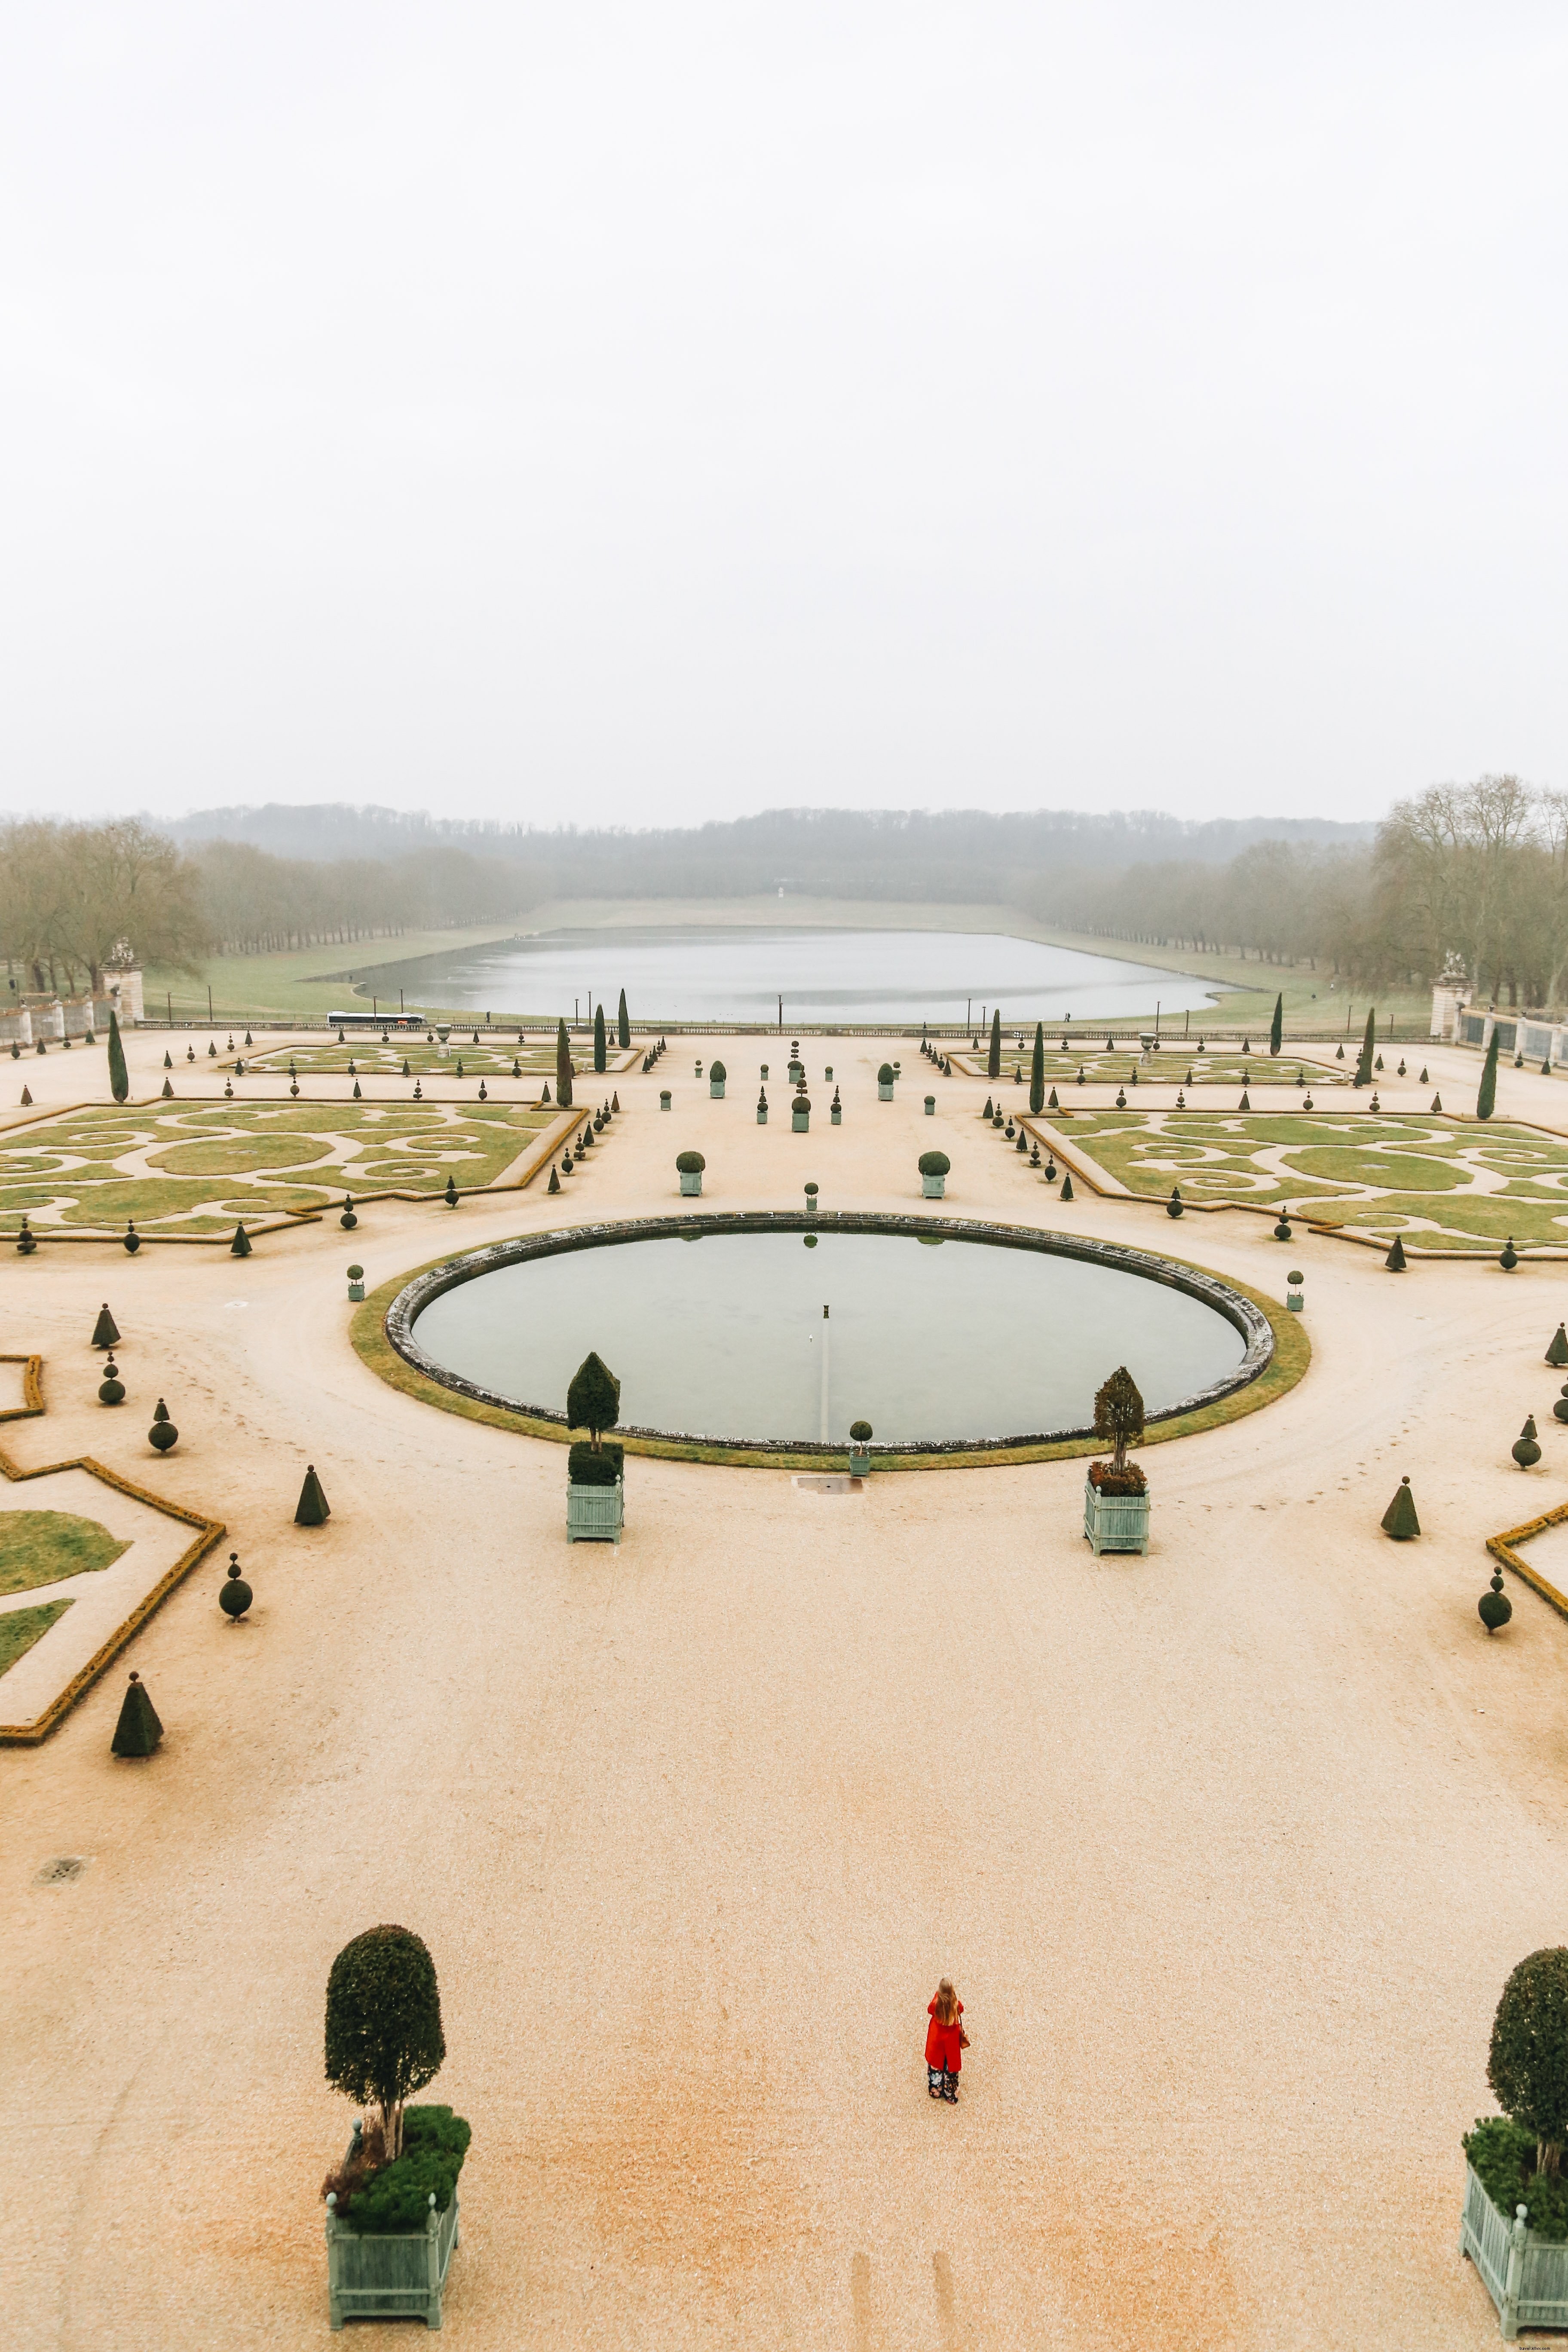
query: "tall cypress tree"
1486, 1101
1038, 1070
623, 1025
994, 1060
562, 1067
600, 1062
1363, 1060
119, 1077
1277, 1026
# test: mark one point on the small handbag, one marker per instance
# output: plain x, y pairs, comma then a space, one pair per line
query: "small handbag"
963, 2039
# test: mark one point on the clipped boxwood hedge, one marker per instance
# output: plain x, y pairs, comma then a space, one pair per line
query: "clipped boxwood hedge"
586, 1468
935, 1163
435, 2142
885, 1074
690, 1163
1503, 2155
717, 1070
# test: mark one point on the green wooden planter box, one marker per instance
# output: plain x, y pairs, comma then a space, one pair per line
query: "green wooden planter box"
835, 1117
930, 1106
1526, 2276
690, 1182
884, 1094
394, 2277
356, 1290
596, 1514
1115, 1522
716, 1089
932, 1187
800, 1121
762, 1113
664, 1100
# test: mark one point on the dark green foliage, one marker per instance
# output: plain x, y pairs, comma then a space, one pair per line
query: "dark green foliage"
593, 1398
1504, 2157
1038, 1070
313, 1509
1508, 1256
1119, 1416
1054, 1104
1363, 1059
26, 1097
130, 1239
138, 1731
162, 1433
119, 1077
168, 1063
1486, 1098
717, 1073
601, 1058
990, 1109
885, 1074
584, 1467
1400, 1520
384, 2036
554, 1184
1277, 1026
1557, 1353
1394, 1261
106, 1334
934, 1163
562, 1066
1494, 1608
450, 1194
993, 1059
235, 1596
1175, 1205
26, 1242
1246, 1102
1528, 2062
1525, 1450
112, 1389
397, 2199
241, 1246
1282, 1230
861, 1432
1067, 1188
349, 1220
690, 1163
168, 1091
623, 1025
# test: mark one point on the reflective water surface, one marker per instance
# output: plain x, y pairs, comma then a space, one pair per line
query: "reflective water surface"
725, 1337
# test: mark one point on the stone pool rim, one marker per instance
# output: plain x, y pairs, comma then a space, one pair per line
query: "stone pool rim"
1275, 1350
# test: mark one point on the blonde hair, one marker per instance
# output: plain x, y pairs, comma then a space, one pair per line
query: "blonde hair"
946, 2001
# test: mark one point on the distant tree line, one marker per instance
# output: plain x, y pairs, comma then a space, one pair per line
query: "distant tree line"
72, 897
255, 904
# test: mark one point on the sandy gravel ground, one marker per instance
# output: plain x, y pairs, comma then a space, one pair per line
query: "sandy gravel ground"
1229, 1850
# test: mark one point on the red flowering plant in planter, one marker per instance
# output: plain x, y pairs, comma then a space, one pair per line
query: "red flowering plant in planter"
1119, 1418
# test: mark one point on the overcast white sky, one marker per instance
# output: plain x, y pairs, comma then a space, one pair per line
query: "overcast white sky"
646, 413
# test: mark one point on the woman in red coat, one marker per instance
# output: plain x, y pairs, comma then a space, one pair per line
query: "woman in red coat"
946, 2041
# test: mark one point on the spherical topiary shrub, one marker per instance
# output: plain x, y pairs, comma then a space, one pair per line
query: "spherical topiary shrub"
1528, 2063
162, 1433
935, 1163
690, 1163
235, 1596
1494, 1608
112, 1389
384, 2036
1525, 1450
860, 1430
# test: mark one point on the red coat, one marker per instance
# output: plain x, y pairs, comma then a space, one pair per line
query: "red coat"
941, 2041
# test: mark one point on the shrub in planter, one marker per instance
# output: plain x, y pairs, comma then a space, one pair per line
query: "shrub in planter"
1527, 2065
587, 1465
717, 1074
393, 2200
383, 2037
1106, 1479
1118, 1421
688, 1167
593, 1398
935, 1168
885, 1083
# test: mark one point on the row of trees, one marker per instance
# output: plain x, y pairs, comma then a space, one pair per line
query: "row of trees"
255, 903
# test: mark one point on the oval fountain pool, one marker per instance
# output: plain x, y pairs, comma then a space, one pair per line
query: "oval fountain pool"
781, 1331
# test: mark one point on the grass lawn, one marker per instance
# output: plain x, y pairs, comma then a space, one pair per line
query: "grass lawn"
1441, 1183
303, 980
41, 1547
365, 1056
20, 1628
1184, 1066
199, 1168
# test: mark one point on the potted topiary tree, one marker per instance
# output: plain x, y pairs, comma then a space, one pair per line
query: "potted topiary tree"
859, 1447
1116, 1493
688, 1167
800, 1112
1515, 2223
885, 1083
391, 2204
935, 1168
595, 1491
717, 1074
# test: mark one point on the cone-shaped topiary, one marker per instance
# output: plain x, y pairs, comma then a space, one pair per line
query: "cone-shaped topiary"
1067, 1188
1527, 2065
450, 1194
1053, 1104
601, 1055
1556, 1353
1494, 1608
554, 1184
545, 1094
1038, 1070
383, 2037
1424, 1080
138, 1731
1246, 1102
1508, 1257
1436, 1102
562, 1066
1394, 1261
406, 1072
1486, 1096
168, 1091
1378, 1064
990, 1109
312, 1510
235, 1596
168, 1064
106, 1334
119, 1077
1277, 1026
994, 1058
26, 1097
1400, 1520
112, 1389
163, 1434
1525, 1450
594, 1399
241, 1246
1175, 1205
131, 1240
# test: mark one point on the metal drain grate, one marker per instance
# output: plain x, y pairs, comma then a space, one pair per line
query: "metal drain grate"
831, 1482
63, 1867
